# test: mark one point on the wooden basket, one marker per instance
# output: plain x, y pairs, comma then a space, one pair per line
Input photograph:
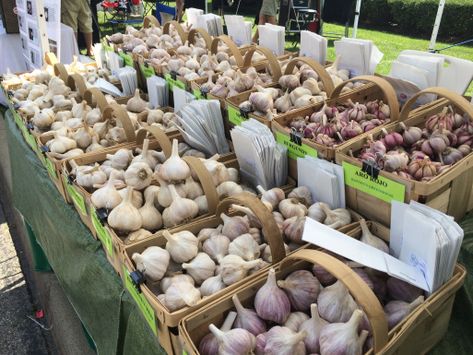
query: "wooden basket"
450, 192
428, 321
297, 146
177, 26
235, 116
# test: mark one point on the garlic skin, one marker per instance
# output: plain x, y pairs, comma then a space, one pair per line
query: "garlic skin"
396, 311
281, 340
150, 217
316, 212
136, 197
291, 207
180, 294
120, 159
295, 320
212, 285
247, 318
107, 196
168, 281
335, 304
136, 104
234, 226
125, 217
216, 246
233, 342
182, 246
138, 175
209, 344
301, 193
175, 169
369, 238
200, 268
152, 262
293, 228
313, 327
245, 247
343, 338
271, 303
233, 268
302, 289
228, 188
272, 196
180, 210
336, 218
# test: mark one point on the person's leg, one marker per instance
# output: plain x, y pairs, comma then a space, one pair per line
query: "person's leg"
85, 26
271, 19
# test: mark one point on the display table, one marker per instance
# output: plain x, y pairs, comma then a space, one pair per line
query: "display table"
96, 292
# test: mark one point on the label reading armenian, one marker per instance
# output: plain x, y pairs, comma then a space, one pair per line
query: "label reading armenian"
102, 233
380, 187
295, 150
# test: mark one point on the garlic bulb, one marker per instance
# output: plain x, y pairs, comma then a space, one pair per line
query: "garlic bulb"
120, 159
396, 311
369, 238
136, 104
168, 281
203, 204
175, 168
335, 303
245, 247
313, 327
180, 294
200, 268
293, 228
233, 342
150, 216
271, 303
192, 189
295, 320
401, 290
182, 246
233, 268
146, 156
88, 177
212, 285
228, 188
138, 175
316, 212
301, 193
216, 246
209, 344
69, 154
343, 338
302, 288
136, 197
336, 218
234, 226
152, 262
60, 144
43, 118
281, 340
107, 196
247, 318
283, 103
93, 116
181, 209
272, 196
291, 207
164, 194
125, 217
138, 235
83, 136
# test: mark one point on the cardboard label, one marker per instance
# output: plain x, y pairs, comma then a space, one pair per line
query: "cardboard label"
143, 305
127, 59
295, 150
50, 168
102, 233
174, 82
147, 71
76, 197
234, 116
381, 187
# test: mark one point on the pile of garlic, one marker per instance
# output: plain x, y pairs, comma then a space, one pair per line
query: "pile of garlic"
89, 71
200, 265
308, 312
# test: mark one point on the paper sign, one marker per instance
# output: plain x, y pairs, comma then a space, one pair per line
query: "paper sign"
102, 233
127, 59
141, 301
76, 197
382, 188
147, 70
295, 150
234, 116
174, 82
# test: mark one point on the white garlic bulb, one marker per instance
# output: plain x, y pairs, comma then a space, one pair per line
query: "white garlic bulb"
107, 196
152, 262
291, 207
168, 281
216, 246
200, 268
136, 197
138, 175
234, 226
233, 268
120, 159
228, 188
245, 247
180, 210
181, 294
125, 217
182, 246
150, 216
138, 235
175, 168
136, 104
212, 285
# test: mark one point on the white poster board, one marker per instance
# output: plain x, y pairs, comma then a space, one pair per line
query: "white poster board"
39, 22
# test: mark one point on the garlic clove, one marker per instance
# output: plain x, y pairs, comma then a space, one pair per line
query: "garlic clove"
271, 303
152, 262
302, 288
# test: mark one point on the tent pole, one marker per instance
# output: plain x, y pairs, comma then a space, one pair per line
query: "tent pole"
357, 17
435, 30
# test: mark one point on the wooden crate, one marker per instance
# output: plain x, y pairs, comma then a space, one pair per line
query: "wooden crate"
428, 321
377, 88
450, 192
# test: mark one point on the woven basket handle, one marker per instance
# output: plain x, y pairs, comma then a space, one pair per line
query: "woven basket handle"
270, 228
319, 69
357, 287
159, 135
95, 96
272, 60
77, 82
150, 21
192, 36
206, 181
384, 85
456, 99
235, 52
118, 112
61, 72
178, 27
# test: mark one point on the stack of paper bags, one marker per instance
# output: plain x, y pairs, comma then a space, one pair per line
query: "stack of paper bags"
181, 98
127, 77
422, 71
238, 29
313, 46
272, 37
211, 23
158, 92
262, 161
192, 16
359, 56
324, 179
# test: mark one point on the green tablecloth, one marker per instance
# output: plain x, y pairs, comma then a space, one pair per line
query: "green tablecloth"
96, 292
